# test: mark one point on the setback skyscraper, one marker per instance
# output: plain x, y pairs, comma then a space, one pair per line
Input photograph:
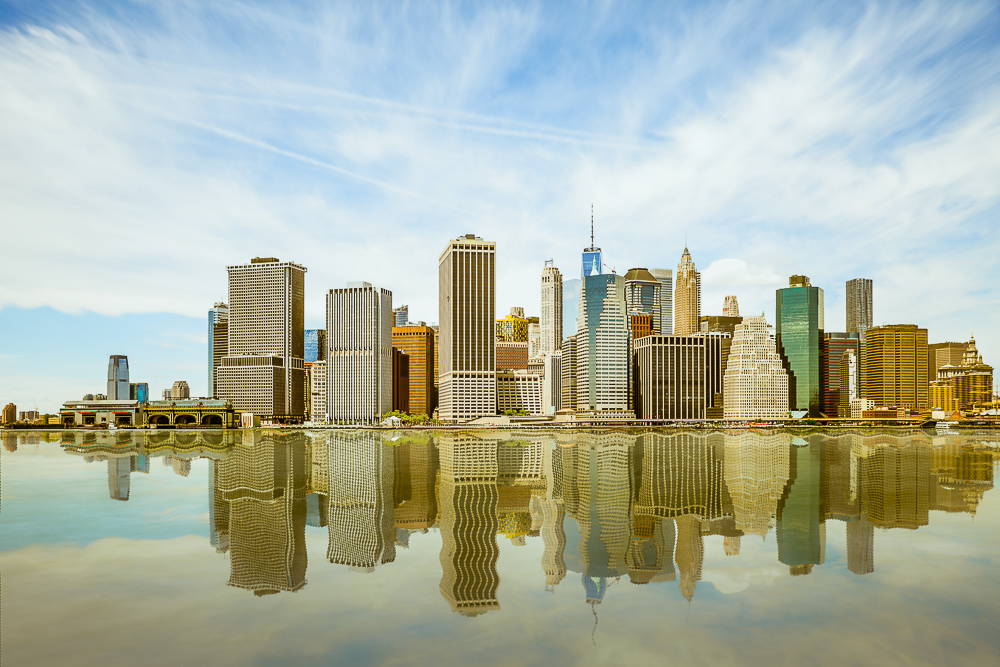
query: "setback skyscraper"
603, 363
467, 305
730, 308
799, 323
552, 311
359, 366
687, 297
756, 383
263, 371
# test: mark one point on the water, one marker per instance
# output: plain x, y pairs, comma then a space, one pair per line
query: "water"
306, 548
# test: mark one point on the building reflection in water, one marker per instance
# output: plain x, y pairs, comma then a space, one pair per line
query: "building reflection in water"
605, 506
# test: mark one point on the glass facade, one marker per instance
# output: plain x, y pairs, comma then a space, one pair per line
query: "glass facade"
799, 327
592, 262
118, 384
315, 345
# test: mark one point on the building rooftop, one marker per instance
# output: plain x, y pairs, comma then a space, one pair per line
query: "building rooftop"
640, 274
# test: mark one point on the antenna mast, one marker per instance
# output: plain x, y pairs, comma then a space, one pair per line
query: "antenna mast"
591, 225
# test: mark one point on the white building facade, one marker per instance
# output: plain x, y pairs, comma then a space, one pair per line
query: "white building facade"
359, 359
519, 390
317, 393
848, 383
552, 309
755, 383
666, 278
603, 363
552, 383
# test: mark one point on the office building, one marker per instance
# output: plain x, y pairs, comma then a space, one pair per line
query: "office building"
895, 366
138, 391
315, 346
552, 310
642, 295
970, 383
467, 304
849, 366
641, 324
943, 354
401, 316
359, 364
604, 368
552, 383
835, 345
718, 324
678, 377
513, 328
400, 381
666, 278
799, 324
317, 393
28, 416
180, 390
218, 344
534, 338
859, 306
568, 363
118, 378
9, 414
519, 390
593, 264
687, 297
730, 308
755, 383
418, 344
512, 356
263, 372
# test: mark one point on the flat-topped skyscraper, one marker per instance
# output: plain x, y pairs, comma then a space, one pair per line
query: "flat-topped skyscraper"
467, 351
799, 325
118, 385
859, 306
218, 343
263, 371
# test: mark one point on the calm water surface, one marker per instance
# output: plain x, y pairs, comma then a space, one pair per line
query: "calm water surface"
311, 548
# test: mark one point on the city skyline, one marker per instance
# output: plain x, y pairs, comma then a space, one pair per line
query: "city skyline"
855, 143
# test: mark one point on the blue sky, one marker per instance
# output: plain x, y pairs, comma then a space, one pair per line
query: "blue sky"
147, 145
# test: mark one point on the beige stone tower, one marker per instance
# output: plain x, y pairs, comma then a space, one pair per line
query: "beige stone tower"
687, 297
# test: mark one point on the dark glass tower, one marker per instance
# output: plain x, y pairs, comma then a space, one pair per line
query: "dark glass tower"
799, 325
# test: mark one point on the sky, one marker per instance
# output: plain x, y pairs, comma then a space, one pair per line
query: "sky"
148, 145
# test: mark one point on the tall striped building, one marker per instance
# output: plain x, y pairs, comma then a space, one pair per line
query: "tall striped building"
359, 362
687, 296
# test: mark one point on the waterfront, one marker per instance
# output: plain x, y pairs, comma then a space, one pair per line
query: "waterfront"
250, 547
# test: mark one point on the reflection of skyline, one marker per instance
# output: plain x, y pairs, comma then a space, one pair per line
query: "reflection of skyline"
603, 505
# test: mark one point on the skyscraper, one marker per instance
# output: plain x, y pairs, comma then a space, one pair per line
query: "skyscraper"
678, 376
552, 310
799, 324
687, 297
801, 529
848, 382
666, 278
593, 264
569, 392
359, 366
534, 338
401, 316
859, 306
895, 366
835, 345
756, 383
315, 345
418, 344
218, 344
642, 295
263, 371
118, 378
467, 306
603, 364
730, 308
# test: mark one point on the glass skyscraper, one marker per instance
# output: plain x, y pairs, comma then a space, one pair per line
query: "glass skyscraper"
118, 384
315, 345
799, 325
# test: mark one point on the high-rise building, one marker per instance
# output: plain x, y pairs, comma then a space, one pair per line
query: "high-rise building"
569, 392
552, 383
512, 356
604, 367
859, 306
359, 365
418, 344
835, 345
943, 354
666, 278
895, 366
9, 414
641, 324
218, 344
315, 346
718, 324
118, 378
513, 328
552, 310
519, 390
263, 371
400, 381
593, 265
730, 308
687, 297
969, 383
755, 383
534, 338
401, 316
467, 306
801, 526
138, 391
642, 295
180, 390
849, 366
317, 393
799, 325
678, 376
